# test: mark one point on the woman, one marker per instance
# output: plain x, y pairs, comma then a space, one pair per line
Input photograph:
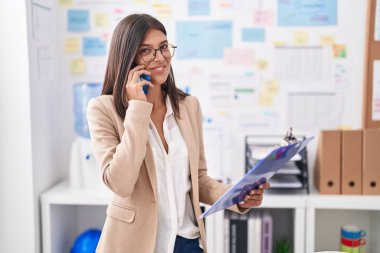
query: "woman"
150, 148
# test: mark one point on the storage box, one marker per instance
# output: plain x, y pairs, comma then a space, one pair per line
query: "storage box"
327, 169
352, 146
371, 161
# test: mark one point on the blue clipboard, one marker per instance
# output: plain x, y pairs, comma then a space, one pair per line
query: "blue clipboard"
259, 174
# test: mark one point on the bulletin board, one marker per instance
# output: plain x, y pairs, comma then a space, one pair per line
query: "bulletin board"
257, 66
371, 106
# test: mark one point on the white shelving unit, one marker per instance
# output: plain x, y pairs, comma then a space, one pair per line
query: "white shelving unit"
326, 213
67, 212
296, 204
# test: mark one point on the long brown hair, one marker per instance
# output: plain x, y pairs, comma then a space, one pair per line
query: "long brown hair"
126, 39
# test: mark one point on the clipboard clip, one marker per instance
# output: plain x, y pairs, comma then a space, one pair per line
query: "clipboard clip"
289, 138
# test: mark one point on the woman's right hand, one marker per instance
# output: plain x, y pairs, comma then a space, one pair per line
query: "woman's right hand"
134, 85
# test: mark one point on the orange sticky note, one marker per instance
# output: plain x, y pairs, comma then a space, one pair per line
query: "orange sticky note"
327, 40
72, 45
340, 51
272, 86
262, 64
265, 99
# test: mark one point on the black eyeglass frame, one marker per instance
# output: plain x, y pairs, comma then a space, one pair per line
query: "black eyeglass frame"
155, 53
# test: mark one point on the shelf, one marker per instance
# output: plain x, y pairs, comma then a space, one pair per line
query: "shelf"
62, 194
72, 210
350, 202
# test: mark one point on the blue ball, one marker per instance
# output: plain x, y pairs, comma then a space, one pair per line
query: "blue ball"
86, 242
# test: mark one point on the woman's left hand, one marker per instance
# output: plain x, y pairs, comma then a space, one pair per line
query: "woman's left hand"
254, 197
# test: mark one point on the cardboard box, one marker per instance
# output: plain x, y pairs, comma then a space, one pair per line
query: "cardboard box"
352, 146
371, 162
327, 169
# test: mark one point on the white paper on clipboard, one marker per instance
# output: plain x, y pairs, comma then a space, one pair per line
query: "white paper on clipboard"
260, 173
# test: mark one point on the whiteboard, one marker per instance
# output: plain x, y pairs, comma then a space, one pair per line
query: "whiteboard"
256, 66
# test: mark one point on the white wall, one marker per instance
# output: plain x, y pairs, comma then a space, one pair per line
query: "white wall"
16, 181
33, 138
47, 104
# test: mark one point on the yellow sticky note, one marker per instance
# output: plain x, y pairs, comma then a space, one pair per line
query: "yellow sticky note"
77, 66
66, 3
344, 127
272, 86
140, 1
72, 45
300, 38
223, 114
163, 10
265, 99
278, 43
327, 40
340, 51
262, 64
101, 20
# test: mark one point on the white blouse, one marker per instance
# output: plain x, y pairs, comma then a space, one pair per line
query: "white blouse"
175, 211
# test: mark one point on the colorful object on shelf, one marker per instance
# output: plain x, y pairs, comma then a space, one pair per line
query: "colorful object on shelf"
352, 239
86, 242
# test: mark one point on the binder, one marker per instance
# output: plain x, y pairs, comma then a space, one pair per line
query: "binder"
238, 228
371, 162
226, 222
327, 169
267, 233
254, 232
352, 143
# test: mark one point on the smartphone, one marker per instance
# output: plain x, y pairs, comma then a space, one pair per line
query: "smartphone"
145, 87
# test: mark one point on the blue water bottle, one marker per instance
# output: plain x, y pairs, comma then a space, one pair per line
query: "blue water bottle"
83, 92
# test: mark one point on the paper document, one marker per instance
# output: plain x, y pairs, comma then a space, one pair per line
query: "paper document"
260, 173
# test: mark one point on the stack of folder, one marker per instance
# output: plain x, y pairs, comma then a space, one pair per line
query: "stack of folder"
294, 175
348, 162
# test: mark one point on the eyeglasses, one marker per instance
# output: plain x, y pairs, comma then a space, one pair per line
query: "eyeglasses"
148, 54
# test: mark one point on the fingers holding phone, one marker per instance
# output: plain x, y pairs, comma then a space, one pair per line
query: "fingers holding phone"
135, 84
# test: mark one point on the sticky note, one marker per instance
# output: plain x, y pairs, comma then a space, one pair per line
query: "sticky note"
300, 38
262, 64
307, 12
340, 51
239, 56
66, 3
163, 10
203, 39
93, 46
253, 34
278, 43
78, 21
272, 86
199, 7
72, 45
263, 18
101, 20
327, 40
77, 66
265, 99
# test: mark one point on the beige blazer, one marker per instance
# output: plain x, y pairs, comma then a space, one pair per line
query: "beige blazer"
125, 156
